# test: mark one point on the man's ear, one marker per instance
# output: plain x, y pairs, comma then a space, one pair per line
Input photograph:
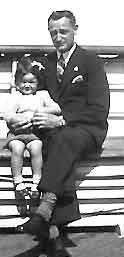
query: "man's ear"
17, 87
75, 28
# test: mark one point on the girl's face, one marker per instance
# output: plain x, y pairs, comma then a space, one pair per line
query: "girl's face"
28, 85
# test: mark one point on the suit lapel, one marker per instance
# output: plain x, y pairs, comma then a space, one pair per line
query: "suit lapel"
75, 62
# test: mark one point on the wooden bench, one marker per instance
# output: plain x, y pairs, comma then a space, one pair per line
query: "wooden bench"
101, 193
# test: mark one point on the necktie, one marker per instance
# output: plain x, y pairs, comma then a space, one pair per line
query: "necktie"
60, 68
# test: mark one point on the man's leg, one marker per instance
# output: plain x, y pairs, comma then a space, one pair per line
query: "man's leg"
64, 148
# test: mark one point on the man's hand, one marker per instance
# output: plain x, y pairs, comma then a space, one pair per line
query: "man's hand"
17, 121
46, 120
20, 125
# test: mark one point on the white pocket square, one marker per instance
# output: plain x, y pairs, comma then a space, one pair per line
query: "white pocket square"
77, 79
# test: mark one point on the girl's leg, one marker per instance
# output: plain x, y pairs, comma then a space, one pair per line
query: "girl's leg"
17, 152
35, 150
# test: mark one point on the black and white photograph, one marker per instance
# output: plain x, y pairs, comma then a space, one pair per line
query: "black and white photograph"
61, 128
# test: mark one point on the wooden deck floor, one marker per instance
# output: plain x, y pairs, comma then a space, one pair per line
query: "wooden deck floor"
93, 243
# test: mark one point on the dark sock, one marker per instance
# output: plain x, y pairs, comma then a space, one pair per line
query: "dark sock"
46, 206
53, 232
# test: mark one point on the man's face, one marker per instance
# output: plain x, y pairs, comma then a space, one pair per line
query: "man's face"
62, 33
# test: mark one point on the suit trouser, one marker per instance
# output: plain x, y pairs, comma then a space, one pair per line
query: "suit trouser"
65, 147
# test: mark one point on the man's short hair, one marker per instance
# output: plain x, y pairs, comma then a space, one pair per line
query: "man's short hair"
56, 15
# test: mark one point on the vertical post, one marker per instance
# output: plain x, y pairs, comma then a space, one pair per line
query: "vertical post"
14, 67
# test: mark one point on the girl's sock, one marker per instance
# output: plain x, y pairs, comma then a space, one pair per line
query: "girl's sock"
36, 179
18, 179
34, 187
20, 186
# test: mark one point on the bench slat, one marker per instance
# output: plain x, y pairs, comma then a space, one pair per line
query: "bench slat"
91, 208
99, 220
104, 183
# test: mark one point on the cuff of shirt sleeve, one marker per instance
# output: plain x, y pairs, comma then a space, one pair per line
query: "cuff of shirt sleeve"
62, 122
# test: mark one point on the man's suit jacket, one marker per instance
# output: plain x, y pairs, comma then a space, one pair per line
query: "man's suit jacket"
83, 94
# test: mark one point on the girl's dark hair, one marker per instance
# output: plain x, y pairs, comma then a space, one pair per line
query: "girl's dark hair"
27, 65
56, 15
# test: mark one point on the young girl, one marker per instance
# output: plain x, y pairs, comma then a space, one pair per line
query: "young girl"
24, 102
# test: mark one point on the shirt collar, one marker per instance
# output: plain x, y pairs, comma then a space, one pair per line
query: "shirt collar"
68, 54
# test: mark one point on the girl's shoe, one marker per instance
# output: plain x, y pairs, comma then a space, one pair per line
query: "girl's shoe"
20, 196
34, 201
34, 195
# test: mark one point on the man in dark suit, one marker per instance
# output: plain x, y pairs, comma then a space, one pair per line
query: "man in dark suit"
77, 81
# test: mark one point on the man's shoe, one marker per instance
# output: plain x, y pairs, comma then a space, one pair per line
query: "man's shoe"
57, 248
37, 225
